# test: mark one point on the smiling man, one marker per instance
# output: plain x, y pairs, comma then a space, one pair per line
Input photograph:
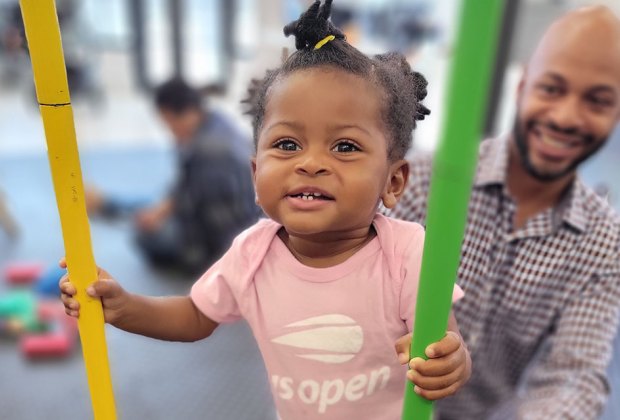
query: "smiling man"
568, 103
540, 262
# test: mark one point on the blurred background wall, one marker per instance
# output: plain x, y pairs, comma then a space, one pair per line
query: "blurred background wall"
120, 49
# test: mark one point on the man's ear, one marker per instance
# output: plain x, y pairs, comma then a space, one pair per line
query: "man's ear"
396, 183
521, 85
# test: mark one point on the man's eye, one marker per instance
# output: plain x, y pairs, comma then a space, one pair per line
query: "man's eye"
600, 102
345, 147
549, 90
287, 145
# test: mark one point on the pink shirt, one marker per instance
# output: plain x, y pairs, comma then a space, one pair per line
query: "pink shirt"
327, 335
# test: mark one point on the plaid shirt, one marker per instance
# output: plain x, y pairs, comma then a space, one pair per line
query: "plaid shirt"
541, 302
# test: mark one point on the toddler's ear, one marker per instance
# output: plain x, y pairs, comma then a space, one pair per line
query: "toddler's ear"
253, 163
396, 183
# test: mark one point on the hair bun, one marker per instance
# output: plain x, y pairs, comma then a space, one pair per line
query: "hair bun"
421, 112
398, 63
421, 92
313, 25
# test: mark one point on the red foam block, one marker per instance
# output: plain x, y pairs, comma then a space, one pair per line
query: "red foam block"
59, 342
22, 272
46, 345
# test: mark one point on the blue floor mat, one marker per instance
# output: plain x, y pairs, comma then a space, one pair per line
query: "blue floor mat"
220, 378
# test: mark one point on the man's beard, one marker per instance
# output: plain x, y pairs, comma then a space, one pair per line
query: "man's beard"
520, 136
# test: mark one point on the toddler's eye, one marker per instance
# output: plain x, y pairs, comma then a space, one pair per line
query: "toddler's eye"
287, 145
345, 147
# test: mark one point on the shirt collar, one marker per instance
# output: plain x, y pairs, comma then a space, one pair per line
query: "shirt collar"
188, 149
574, 211
493, 169
492, 162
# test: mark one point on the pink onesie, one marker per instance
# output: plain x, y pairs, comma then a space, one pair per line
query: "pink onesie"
326, 334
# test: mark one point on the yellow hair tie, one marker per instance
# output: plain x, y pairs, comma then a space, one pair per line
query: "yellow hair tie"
324, 41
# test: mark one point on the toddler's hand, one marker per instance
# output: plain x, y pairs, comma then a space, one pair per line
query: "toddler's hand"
113, 296
447, 369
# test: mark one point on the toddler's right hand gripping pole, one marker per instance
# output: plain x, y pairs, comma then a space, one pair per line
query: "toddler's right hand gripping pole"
453, 171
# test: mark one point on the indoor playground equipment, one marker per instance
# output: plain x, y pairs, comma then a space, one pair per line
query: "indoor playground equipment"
451, 182
453, 171
48, 65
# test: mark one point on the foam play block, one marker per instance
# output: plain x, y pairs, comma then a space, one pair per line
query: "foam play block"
60, 337
46, 284
20, 273
46, 345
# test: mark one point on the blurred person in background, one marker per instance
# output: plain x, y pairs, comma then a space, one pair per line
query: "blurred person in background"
212, 199
78, 49
540, 262
14, 63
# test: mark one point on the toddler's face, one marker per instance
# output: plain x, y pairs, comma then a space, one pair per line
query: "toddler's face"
321, 164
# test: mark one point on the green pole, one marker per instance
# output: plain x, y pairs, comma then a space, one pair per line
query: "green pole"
453, 171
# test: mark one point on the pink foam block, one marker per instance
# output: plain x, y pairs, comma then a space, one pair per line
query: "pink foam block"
46, 345
61, 338
22, 272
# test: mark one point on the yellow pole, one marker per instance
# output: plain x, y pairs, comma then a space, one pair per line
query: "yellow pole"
48, 65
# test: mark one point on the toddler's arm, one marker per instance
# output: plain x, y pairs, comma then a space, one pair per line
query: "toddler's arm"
173, 318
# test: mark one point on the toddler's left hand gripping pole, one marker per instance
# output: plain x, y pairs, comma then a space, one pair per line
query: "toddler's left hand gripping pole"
48, 65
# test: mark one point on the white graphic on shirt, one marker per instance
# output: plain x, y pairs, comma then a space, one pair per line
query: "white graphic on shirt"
324, 320
331, 339
329, 392
338, 336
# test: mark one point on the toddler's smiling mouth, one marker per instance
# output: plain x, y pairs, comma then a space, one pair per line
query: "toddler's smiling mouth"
311, 196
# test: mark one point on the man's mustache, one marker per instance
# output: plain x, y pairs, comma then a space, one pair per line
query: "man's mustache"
553, 128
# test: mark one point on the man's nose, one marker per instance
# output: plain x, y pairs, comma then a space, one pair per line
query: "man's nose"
567, 114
